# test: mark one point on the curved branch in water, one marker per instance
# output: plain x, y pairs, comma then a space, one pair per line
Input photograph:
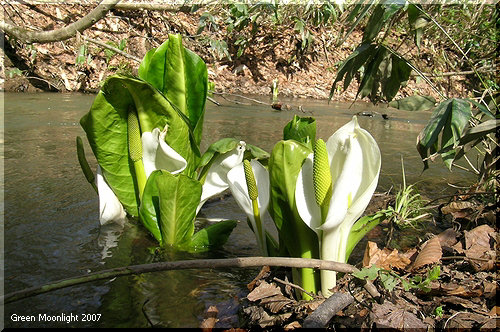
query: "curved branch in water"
242, 262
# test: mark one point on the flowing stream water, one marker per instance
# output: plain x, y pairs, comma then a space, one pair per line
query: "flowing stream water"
52, 230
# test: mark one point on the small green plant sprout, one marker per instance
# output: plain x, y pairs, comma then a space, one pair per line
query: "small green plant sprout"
438, 312
390, 279
409, 206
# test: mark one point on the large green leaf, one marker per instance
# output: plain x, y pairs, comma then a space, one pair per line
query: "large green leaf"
285, 163
417, 21
352, 64
179, 196
149, 211
381, 14
301, 129
106, 128
296, 239
211, 237
450, 117
182, 77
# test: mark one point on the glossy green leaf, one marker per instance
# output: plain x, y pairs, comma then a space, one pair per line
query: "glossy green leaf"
182, 77
301, 129
149, 211
106, 128
414, 103
211, 237
295, 237
256, 152
179, 196
449, 118
284, 167
144, 65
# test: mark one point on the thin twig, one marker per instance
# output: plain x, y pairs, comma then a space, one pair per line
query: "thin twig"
109, 47
294, 286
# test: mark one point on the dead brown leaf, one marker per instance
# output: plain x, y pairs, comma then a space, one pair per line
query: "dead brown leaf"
388, 315
264, 290
264, 272
384, 258
210, 319
431, 253
275, 303
459, 209
495, 311
293, 325
477, 247
448, 238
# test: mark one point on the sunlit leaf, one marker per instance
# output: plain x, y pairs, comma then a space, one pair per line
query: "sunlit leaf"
301, 129
179, 196
450, 117
211, 237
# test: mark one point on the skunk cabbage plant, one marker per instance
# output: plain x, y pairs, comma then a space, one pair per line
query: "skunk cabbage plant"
333, 189
145, 133
249, 184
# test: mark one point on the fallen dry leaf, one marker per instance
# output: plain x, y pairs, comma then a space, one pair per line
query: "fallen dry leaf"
431, 253
262, 291
477, 247
495, 311
390, 316
210, 319
448, 238
384, 258
459, 209
275, 303
264, 272
293, 325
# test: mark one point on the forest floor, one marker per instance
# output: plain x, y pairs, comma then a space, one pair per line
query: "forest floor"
78, 64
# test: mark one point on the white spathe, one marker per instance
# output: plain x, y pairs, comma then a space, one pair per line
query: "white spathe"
216, 179
239, 189
157, 154
354, 159
110, 208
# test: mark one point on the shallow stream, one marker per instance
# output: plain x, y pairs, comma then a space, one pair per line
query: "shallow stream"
52, 231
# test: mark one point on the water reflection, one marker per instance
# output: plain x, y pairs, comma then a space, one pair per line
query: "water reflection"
52, 229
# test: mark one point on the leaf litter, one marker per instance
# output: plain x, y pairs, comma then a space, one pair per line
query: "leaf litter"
449, 281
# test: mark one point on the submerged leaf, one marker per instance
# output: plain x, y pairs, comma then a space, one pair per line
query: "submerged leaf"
414, 103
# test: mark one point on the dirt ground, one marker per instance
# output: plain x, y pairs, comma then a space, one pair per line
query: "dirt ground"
271, 55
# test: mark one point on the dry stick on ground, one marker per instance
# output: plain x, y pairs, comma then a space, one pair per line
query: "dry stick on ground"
326, 310
243, 262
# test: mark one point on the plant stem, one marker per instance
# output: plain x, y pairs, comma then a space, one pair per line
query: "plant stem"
261, 236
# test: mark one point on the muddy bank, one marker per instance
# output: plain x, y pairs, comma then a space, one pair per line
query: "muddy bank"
79, 64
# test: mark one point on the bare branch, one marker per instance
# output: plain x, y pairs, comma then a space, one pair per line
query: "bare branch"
67, 32
109, 47
242, 262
